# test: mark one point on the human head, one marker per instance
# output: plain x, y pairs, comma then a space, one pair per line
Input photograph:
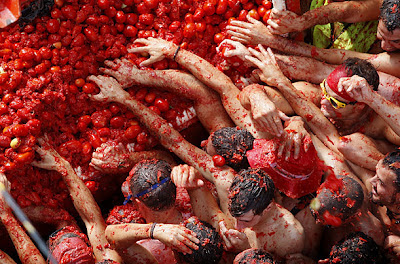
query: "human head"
254, 256
210, 246
232, 144
350, 67
151, 184
389, 25
123, 214
107, 261
250, 193
356, 248
338, 199
70, 246
386, 182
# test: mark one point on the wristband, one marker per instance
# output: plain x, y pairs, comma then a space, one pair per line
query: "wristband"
176, 52
153, 225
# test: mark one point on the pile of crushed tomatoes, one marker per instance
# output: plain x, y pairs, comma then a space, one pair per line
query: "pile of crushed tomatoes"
43, 68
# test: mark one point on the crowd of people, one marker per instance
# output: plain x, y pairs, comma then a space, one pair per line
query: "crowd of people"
301, 166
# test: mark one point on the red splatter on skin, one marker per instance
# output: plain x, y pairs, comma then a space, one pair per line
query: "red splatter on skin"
314, 52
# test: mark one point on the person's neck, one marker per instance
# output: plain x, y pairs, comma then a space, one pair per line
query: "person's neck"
350, 125
267, 215
169, 216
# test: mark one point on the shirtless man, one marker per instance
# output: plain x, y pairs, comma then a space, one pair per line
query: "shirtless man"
83, 201
222, 177
348, 101
154, 194
255, 32
259, 221
386, 192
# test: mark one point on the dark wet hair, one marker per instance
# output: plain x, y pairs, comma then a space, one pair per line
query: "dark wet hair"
123, 214
362, 68
210, 246
251, 189
107, 261
254, 255
390, 14
339, 198
357, 248
232, 144
145, 175
392, 161
59, 235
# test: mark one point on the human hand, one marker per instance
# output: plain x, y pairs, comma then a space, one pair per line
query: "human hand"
234, 240
111, 157
265, 115
123, 70
295, 137
50, 159
186, 176
177, 237
110, 89
393, 242
157, 48
239, 49
284, 21
357, 87
252, 32
265, 60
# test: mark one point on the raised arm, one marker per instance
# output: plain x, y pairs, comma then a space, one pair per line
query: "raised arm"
206, 102
111, 91
360, 90
26, 249
206, 208
207, 74
255, 32
281, 22
82, 198
272, 75
112, 157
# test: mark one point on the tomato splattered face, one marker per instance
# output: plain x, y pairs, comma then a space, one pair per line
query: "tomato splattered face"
390, 40
329, 98
247, 219
383, 187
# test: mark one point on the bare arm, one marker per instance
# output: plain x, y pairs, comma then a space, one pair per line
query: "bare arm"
177, 237
27, 251
171, 139
358, 88
285, 21
207, 74
207, 103
206, 208
112, 157
5, 258
82, 198
272, 75
255, 32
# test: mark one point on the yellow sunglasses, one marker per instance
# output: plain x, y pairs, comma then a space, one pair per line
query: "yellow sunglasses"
333, 101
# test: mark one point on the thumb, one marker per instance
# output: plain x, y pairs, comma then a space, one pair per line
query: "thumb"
200, 183
283, 116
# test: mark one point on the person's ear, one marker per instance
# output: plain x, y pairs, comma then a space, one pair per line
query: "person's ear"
397, 197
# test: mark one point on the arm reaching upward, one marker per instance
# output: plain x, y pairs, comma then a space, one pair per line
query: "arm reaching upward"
26, 249
111, 91
284, 21
272, 75
207, 74
82, 198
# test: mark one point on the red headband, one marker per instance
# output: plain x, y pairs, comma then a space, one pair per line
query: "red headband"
333, 79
